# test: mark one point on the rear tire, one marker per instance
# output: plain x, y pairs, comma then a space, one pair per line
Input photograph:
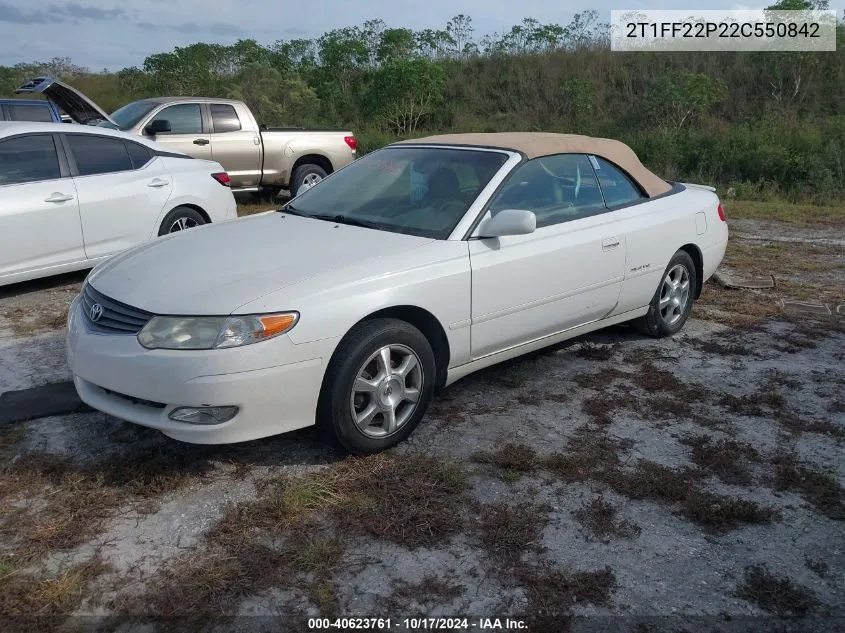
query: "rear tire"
181, 219
367, 406
672, 302
304, 177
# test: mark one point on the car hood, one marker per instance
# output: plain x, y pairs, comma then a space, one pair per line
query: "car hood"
216, 269
79, 107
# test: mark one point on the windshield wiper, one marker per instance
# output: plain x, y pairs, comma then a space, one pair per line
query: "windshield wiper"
342, 219
293, 211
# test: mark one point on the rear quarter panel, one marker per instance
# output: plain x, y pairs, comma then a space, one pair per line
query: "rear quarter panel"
193, 186
283, 148
655, 230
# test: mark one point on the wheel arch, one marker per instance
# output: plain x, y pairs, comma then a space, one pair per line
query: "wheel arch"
698, 260
313, 159
426, 323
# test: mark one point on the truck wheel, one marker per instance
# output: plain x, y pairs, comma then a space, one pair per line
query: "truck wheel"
180, 219
306, 176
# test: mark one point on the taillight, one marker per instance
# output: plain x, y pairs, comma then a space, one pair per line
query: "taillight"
721, 213
222, 177
352, 142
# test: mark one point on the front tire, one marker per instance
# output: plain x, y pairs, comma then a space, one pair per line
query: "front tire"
378, 386
305, 177
672, 303
180, 219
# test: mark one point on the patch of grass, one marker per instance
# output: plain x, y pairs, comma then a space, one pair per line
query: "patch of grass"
799, 215
740, 309
551, 593
251, 207
431, 591
508, 531
765, 402
821, 490
412, 500
36, 320
719, 347
725, 458
207, 584
797, 425
509, 456
776, 594
28, 594
600, 518
599, 380
653, 379
512, 377
588, 454
591, 351
818, 566
721, 514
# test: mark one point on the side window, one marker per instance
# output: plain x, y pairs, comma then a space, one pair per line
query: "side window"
29, 113
28, 159
139, 154
98, 154
616, 186
224, 118
185, 118
556, 188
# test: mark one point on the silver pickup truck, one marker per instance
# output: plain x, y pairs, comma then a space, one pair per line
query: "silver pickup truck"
255, 157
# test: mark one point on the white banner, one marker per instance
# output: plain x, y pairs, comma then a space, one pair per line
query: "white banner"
722, 30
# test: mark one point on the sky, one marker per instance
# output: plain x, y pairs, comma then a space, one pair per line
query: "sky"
114, 34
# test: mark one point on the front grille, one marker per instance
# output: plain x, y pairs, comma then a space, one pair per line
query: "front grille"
115, 317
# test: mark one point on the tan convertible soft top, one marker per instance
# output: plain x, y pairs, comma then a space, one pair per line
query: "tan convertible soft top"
536, 144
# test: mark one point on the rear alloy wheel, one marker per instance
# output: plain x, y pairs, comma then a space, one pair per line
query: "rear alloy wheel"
672, 303
378, 386
305, 177
181, 219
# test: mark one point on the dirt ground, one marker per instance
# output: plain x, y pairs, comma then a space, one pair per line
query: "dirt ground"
612, 483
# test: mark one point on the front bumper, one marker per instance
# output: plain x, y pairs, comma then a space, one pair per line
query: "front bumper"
275, 383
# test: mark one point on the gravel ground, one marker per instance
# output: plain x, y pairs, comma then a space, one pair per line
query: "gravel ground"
615, 482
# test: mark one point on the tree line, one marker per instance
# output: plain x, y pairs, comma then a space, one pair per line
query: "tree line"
767, 124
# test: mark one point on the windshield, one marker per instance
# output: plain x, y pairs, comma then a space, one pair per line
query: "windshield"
129, 115
414, 190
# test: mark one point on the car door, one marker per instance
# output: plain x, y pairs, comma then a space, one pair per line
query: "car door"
122, 188
39, 212
237, 149
566, 273
188, 133
650, 226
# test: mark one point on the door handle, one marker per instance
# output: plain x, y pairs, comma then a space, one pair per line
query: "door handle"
158, 182
201, 141
58, 197
610, 243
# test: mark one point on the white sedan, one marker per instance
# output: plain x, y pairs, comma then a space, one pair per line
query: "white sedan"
397, 275
70, 196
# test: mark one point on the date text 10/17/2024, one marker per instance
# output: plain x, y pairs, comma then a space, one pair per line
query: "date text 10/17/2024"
418, 624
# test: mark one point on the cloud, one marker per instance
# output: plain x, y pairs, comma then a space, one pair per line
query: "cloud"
8, 13
56, 13
76, 10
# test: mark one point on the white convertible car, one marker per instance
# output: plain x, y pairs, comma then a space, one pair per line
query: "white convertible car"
397, 275
70, 196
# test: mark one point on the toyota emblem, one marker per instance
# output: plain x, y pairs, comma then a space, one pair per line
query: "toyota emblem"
96, 312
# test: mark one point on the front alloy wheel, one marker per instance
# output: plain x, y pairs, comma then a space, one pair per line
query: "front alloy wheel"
386, 391
377, 387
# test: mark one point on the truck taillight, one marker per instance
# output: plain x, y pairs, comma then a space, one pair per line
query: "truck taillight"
721, 213
222, 177
352, 142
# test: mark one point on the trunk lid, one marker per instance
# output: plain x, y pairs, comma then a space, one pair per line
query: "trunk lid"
79, 107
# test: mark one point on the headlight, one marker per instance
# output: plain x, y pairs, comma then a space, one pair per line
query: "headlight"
166, 332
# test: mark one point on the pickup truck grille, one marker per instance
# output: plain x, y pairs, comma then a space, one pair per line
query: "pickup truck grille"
112, 317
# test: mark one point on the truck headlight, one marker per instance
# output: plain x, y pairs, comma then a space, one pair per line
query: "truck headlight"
168, 332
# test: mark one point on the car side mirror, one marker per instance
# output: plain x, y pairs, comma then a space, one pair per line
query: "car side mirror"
157, 127
508, 222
